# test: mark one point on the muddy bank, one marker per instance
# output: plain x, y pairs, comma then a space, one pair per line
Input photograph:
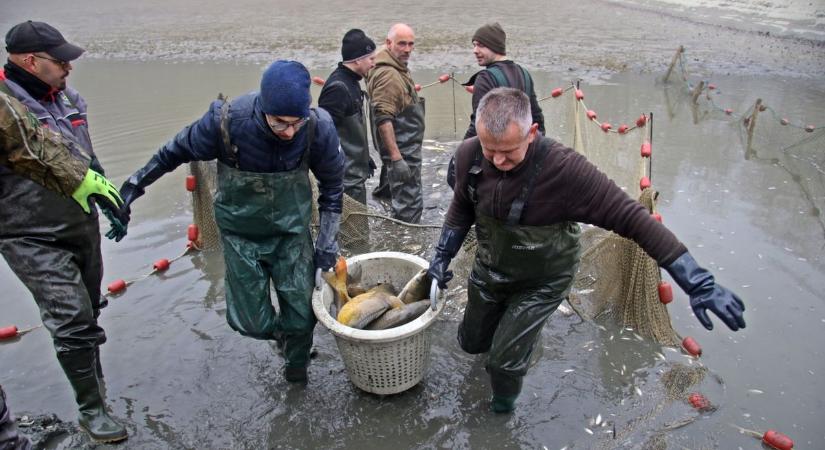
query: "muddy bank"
590, 38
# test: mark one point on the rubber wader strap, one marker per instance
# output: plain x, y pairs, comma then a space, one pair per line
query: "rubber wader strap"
311, 125
230, 150
501, 80
528, 80
474, 173
498, 77
517, 207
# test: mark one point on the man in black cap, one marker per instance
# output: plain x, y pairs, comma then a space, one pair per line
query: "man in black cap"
49, 241
343, 99
490, 50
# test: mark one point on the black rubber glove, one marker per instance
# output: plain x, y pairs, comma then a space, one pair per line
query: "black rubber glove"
326, 244
400, 171
448, 245
705, 294
134, 187
372, 167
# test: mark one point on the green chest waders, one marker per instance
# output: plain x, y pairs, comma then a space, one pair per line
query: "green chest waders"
352, 133
407, 197
520, 276
264, 222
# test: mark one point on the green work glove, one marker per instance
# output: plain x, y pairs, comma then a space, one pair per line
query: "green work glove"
107, 198
117, 231
97, 186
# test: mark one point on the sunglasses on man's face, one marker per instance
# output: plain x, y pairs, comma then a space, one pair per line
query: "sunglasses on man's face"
62, 64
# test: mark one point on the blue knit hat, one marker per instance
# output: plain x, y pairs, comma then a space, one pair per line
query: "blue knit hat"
285, 89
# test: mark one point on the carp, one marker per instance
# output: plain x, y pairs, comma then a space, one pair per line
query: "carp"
399, 316
418, 288
376, 308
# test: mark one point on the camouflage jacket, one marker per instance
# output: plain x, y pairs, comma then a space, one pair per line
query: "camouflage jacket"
36, 152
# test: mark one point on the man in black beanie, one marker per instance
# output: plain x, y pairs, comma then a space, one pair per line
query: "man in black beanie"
343, 99
490, 50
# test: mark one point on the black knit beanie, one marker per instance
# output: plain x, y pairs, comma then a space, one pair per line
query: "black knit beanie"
493, 37
355, 45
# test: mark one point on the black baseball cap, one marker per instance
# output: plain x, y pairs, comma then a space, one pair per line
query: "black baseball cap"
30, 36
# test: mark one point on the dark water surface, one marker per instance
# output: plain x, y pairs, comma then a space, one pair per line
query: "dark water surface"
182, 379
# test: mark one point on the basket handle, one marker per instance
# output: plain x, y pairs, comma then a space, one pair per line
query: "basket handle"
433, 294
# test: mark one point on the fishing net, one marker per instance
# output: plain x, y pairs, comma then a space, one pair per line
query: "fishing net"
766, 135
795, 148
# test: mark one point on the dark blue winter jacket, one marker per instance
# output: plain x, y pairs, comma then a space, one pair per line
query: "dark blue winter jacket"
259, 149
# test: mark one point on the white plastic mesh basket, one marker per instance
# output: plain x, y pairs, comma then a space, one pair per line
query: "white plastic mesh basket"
381, 361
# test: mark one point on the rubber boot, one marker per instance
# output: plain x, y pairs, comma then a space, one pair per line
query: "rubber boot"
80, 367
506, 389
295, 374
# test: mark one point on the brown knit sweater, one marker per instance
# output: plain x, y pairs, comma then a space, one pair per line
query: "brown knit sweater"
568, 188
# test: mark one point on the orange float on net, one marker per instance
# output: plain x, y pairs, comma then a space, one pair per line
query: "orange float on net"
444, 78
784, 121
644, 183
591, 114
645, 150
711, 86
606, 127
641, 121
161, 264
192, 232
190, 183
657, 217
8, 332
556, 92
469, 89
810, 128
579, 94
417, 87
728, 111
318, 80
623, 129
691, 346
665, 292
699, 401
116, 286
777, 440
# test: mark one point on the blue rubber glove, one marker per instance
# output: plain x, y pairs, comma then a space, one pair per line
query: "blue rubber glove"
448, 245
326, 244
705, 294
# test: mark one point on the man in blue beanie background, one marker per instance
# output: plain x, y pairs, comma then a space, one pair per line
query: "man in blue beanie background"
265, 143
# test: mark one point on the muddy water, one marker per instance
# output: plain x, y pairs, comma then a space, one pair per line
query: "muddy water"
182, 379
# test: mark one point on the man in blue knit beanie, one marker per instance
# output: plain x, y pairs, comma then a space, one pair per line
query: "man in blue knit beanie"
265, 143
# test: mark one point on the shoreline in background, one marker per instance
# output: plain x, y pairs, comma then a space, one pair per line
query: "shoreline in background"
593, 39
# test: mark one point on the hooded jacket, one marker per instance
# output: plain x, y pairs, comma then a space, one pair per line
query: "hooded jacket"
390, 87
